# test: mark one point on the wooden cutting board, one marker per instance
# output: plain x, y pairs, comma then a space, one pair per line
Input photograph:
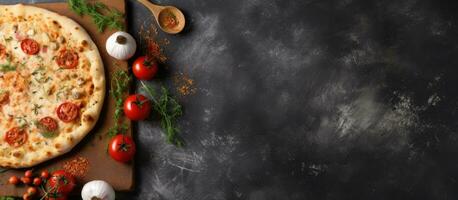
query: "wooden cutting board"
93, 146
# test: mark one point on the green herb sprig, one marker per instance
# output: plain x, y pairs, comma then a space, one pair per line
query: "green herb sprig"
119, 87
101, 15
169, 109
8, 198
7, 67
3, 170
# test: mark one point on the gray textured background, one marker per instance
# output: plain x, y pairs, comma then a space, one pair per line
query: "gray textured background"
309, 99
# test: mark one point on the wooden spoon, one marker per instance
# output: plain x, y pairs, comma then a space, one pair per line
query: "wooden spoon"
170, 19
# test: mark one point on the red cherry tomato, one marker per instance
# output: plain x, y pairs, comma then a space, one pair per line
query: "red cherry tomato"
67, 59
137, 107
26, 196
30, 46
144, 69
28, 173
67, 111
122, 148
44, 174
62, 181
32, 191
48, 123
16, 137
26, 180
13, 180
37, 181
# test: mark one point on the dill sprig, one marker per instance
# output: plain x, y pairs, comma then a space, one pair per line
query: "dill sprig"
169, 110
101, 15
118, 89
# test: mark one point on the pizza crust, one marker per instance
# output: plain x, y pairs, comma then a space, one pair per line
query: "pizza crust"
63, 143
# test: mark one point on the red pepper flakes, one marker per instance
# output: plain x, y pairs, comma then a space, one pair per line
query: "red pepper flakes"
151, 45
184, 84
154, 51
78, 167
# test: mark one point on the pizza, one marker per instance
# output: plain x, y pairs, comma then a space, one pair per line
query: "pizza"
52, 85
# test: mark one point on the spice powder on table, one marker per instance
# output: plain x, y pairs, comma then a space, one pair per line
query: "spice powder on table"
77, 167
184, 84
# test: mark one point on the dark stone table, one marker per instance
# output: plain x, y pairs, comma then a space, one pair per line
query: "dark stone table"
308, 99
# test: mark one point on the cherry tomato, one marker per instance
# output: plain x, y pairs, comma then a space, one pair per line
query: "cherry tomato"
56, 196
67, 59
137, 107
28, 173
26, 180
62, 181
44, 174
32, 191
37, 181
2, 51
30, 46
122, 148
16, 137
144, 69
48, 123
26, 197
13, 180
67, 111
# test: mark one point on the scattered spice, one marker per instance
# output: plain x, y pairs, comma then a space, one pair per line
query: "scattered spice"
184, 84
154, 51
151, 45
77, 167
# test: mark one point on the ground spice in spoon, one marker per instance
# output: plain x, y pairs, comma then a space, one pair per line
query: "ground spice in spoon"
168, 19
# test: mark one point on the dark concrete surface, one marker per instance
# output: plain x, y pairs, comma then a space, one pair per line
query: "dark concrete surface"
308, 99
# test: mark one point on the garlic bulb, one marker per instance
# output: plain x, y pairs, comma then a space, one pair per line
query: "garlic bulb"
97, 190
121, 45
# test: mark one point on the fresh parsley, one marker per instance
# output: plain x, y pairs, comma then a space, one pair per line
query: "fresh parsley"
7, 67
22, 121
101, 15
8, 39
48, 134
169, 109
118, 89
36, 108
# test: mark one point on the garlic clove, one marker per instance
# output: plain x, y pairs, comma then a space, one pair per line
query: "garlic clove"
97, 190
121, 45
